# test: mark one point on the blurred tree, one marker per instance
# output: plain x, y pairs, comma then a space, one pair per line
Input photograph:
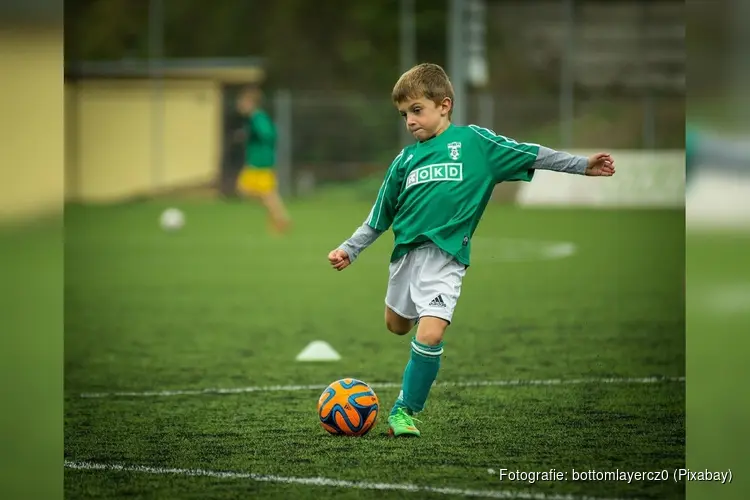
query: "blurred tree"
105, 29
337, 44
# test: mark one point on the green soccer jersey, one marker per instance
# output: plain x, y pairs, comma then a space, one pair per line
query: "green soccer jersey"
260, 151
437, 190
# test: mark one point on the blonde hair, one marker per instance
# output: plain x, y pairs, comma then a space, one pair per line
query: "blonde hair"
250, 91
426, 80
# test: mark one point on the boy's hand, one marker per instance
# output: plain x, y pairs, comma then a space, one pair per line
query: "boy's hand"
339, 259
600, 165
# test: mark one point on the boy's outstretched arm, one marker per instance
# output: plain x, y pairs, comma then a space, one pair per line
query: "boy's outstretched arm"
378, 221
510, 160
597, 165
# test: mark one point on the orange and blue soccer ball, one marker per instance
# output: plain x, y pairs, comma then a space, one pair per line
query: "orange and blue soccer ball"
348, 407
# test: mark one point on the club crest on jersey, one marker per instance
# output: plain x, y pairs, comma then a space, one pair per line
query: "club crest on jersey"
454, 150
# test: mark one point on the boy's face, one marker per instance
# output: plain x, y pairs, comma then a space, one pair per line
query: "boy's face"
423, 117
247, 102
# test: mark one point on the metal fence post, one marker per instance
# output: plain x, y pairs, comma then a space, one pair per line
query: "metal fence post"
457, 64
284, 126
408, 50
649, 121
567, 77
156, 63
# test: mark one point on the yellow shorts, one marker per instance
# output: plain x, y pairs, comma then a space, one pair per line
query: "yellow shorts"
257, 181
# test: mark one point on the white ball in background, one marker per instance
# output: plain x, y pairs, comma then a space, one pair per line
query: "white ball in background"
172, 219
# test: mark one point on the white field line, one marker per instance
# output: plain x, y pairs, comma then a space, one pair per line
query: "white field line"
326, 482
383, 385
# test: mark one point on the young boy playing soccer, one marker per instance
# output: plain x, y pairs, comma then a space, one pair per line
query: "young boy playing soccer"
433, 196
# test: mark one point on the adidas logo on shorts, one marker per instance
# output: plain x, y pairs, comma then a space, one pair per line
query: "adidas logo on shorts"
438, 301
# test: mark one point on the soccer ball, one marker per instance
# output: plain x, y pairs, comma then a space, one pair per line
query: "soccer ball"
172, 219
348, 407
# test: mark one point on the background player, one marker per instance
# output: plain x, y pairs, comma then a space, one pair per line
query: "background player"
433, 196
258, 178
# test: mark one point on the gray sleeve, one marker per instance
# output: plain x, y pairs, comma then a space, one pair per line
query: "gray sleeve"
362, 238
549, 159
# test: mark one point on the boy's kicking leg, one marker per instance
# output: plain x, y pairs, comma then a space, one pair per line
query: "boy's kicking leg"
419, 375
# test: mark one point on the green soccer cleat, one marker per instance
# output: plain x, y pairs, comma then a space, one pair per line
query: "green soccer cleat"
402, 424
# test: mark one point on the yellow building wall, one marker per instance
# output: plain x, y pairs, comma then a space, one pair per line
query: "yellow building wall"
193, 122
131, 139
31, 121
113, 135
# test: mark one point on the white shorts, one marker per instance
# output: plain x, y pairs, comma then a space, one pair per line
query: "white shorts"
425, 282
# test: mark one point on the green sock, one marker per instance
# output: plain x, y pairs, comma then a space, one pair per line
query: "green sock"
419, 375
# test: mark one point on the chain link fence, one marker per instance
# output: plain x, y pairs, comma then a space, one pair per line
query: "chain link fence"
341, 138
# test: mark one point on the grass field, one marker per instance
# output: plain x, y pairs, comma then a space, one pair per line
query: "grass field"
718, 321
564, 318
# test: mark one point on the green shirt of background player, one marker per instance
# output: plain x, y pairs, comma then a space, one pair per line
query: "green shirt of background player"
258, 177
433, 197
260, 149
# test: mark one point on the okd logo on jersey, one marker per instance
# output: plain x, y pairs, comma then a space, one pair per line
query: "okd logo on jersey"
434, 173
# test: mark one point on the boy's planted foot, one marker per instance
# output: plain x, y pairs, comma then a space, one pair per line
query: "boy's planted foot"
401, 424
280, 227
